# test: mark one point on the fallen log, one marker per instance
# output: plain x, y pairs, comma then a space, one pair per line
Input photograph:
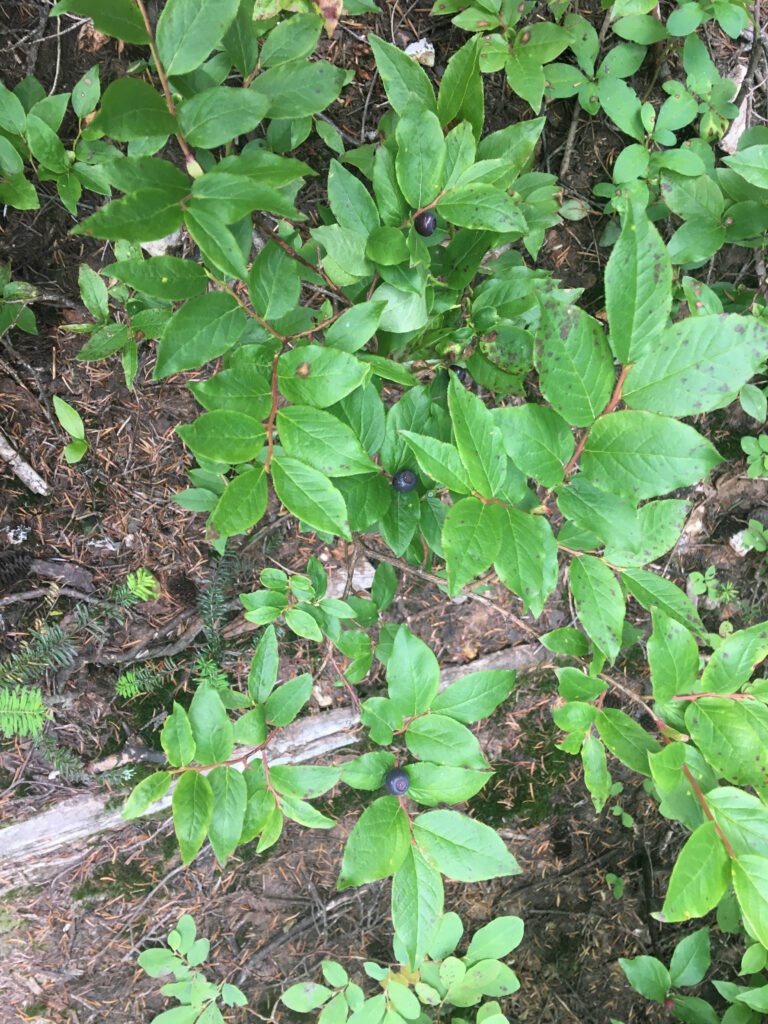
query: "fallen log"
54, 840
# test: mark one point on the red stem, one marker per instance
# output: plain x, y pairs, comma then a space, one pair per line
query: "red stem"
705, 807
615, 399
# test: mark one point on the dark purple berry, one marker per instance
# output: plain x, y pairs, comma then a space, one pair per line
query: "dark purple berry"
404, 480
425, 223
397, 781
462, 374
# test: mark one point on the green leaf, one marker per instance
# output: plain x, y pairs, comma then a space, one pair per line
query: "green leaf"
475, 696
86, 92
697, 365
215, 116
691, 959
638, 287
420, 160
192, 813
640, 454
306, 996
176, 737
433, 784
461, 88
742, 817
478, 440
401, 76
751, 164
350, 201
229, 800
299, 88
611, 518
673, 658
461, 848
310, 496
314, 375
188, 30
263, 672
223, 436
304, 781
413, 674
648, 589
734, 661
45, 145
443, 740
211, 726
648, 976
438, 460
626, 739
162, 277
19, 193
273, 283
93, 292
157, 961
250, 729
621, 104
119, 18
303, 624
377, 845
105, 342
232, 196
319, 438
750, 880
699, 878
471, 538
142, 216
205, 327
291, 39
403, 311
698, 198
496, 940
69, 418
417, 904
132, 109
574, 362
483, 207
538, 441
150, 789
597, 778
355, 327
284, 703
527, 562
242, 504
216, 242
733, 737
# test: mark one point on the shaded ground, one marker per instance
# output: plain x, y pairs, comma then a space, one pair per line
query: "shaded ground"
69, 948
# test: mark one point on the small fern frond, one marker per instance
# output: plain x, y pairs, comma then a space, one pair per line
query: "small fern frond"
22, 712
50, 647
143, 679
64, 760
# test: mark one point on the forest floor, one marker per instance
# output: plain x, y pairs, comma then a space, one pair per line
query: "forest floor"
69, 946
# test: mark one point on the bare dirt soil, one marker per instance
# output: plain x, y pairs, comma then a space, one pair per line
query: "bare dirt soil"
69, 946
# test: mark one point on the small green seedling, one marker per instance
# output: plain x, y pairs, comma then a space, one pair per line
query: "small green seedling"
616, 883
755, 536
71, 421
708, 583
757, 455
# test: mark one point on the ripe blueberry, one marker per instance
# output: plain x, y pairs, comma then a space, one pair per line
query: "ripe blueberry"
425, 223
404, 480
462, 374
397, 781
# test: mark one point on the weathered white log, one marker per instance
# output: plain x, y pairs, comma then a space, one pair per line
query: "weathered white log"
23, 470
54, 840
